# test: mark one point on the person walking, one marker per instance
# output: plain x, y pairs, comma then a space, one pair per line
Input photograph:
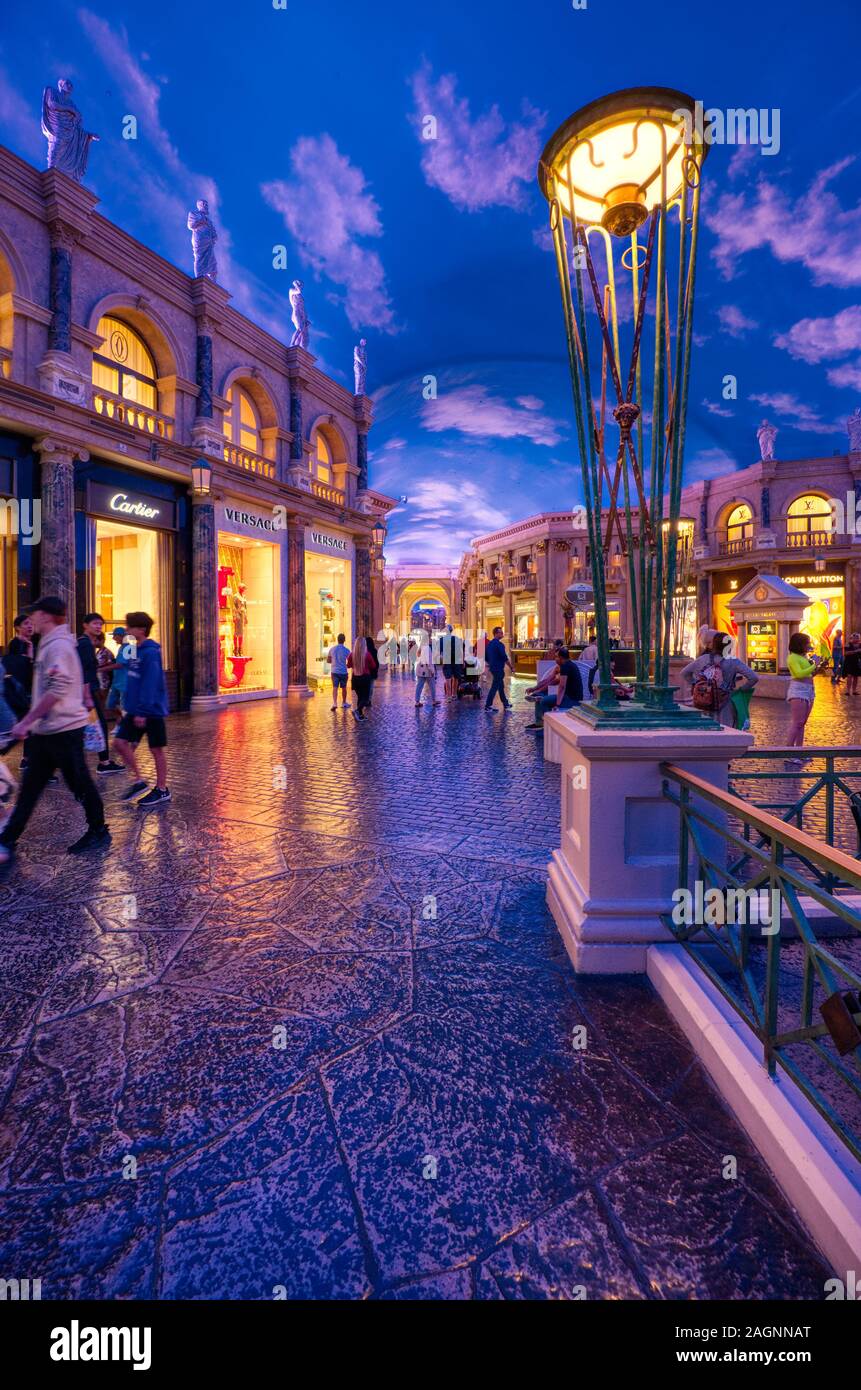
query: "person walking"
837, 657
713, 677
800, 692
337, 658
497, 659
451, 652
374, 654
852, 662
18, 664
88, 654
361, 664
146, 709
426, 673
119, 671
568, 692
54, 726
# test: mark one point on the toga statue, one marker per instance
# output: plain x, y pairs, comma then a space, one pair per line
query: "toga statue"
62, 126
853, 425
766, 434
360, 365
203, 239
301, 322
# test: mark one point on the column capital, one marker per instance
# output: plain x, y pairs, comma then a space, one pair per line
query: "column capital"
299, 365
209, 301
68, 204
363, 413
54, 449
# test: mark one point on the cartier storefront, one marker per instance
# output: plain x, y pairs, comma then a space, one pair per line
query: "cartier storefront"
132, 542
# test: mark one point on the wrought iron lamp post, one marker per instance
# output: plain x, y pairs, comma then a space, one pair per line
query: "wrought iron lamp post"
625, 172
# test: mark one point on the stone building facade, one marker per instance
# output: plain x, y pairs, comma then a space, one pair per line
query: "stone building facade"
799, 519
118, 372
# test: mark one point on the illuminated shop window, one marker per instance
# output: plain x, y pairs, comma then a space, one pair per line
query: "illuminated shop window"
124, 364
808, 513
739, 523
241, 422
323, 465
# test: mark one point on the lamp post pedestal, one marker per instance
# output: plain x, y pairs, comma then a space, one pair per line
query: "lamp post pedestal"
617, 865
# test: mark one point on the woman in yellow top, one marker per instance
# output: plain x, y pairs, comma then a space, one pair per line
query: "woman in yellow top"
802, 668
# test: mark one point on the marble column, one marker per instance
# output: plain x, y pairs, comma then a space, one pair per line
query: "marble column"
60, 293
57, 549
204, 603
204, 373
294, 597
58, 374
362, 460
364, 616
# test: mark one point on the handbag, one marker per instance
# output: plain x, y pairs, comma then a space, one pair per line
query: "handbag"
94, 741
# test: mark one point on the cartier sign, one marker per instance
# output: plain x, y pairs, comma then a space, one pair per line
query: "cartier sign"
128, 503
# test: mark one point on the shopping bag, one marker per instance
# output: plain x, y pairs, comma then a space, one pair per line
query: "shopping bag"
94, 740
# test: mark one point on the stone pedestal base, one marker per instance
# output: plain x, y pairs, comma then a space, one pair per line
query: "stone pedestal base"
299, 477
299, 692
204, 702
617, 865
58, 376
207, 438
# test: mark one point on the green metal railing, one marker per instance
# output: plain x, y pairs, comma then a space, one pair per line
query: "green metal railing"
823, 792
726, 843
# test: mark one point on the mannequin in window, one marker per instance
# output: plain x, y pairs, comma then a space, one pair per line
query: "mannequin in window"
240, 618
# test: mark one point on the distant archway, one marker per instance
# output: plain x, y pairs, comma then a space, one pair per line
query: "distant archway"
427, 613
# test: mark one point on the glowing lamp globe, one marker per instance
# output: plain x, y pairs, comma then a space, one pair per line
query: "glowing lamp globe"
607, 164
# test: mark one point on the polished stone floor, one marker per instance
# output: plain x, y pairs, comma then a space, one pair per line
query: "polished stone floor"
309, 1032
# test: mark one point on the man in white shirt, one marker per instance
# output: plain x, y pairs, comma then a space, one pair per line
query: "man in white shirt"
55, 725
337, 660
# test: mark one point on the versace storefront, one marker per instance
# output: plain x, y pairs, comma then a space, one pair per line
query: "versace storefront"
329, 595
248, 584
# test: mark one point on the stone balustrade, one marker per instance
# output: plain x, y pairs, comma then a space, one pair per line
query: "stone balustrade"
252, 463
138, 417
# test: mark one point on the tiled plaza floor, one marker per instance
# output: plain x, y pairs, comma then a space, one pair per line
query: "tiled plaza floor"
330, 1025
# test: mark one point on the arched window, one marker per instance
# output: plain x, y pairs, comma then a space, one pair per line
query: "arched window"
124, 364
323, 461
806, 515
241, 422
739, 524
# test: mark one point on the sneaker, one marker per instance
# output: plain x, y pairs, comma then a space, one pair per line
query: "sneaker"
91, 839
110, 767
334, 707
157, 797
134, 790
357, 716
533, 726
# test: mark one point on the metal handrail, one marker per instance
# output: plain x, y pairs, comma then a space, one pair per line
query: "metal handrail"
834, 1045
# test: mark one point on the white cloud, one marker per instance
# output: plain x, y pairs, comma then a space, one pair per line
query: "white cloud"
798, 414
474, 411
733, 321
815, 340
329, 211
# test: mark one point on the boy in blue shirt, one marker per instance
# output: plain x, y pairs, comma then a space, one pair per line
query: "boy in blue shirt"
145, 707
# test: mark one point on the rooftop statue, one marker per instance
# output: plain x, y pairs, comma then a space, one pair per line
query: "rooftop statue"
301, 322
203, 239
853, 425
62, 126
360, 365
766, 434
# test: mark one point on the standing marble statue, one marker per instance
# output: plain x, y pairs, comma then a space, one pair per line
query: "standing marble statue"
853, 425
301, 322
203, 239
766, 434
63, 128
360, 365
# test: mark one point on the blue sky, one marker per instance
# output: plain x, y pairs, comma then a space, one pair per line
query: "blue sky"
303, 127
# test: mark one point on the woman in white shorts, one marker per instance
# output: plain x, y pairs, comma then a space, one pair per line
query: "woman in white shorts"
801, 694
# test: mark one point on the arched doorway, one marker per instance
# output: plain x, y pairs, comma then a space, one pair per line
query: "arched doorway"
427, 614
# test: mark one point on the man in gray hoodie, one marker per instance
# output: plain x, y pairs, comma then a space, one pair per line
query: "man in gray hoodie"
55, 723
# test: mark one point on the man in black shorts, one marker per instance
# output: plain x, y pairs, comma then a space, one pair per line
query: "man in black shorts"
145, 711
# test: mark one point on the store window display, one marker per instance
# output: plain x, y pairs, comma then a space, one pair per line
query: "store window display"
247, 571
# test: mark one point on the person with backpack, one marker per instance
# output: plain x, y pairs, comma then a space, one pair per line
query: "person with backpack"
800, 692
713, 678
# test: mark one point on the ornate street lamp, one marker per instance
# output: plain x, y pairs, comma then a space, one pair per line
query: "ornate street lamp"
201, 478
378, 535
624, 172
